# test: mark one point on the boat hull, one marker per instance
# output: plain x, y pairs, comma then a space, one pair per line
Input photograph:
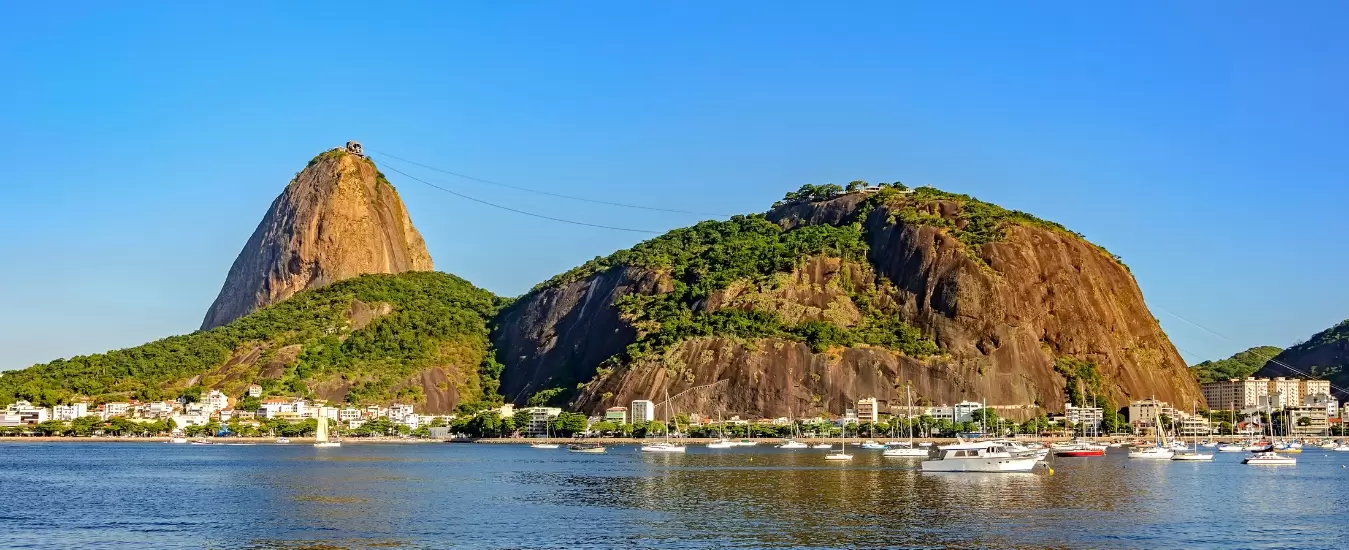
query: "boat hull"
838, 457
906, 452
979, 464
1079, 453
1193, 457
664, 449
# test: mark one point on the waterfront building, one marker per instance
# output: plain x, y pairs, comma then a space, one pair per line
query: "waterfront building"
867, 410
964, 410
1145, 412
1315, 424
71, 411
216, 400
347, 414
399, 412
616, 414
115, 409
1331, 405
643, 411
1090, 416
254, 390
539, 418
1249, 394
1194, 425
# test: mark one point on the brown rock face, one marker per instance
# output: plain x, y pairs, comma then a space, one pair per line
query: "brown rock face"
1002, 314
337, 219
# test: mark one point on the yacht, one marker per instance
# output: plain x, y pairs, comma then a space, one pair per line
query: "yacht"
1341, 448
1193, 455
746, 443
903, 449
1159, 453
282, 440
585, 448
978, 457
1269, 458
1230, 448
178, 440
793, 444
822, 446
722, 443
1079, 451
842, 453
869, 444
544, 445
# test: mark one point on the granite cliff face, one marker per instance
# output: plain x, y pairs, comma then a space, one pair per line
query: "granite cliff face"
1004, 297
1324, 355
337, 219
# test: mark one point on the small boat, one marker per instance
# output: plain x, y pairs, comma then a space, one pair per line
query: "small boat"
1188, 455
746, 443
1230, 448
1079, 452
1158, 453
1269, 458
838, 455
822, 446
178, 440
793, 444
977, 457
202, 442
1341, 448
906, 450
282, 441
869, 444
585, 448
925, 444
663, 448
721, 444
543, 445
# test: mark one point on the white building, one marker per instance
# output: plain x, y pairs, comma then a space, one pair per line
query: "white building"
254, 390
1323, 400
71, 411
115, 409
23, 412
347, 414
539, 418
1091, 416
643, 411
282, 408
616, 414
216, 401
399, 413
867, 410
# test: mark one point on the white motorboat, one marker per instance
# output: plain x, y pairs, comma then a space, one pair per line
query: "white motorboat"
543, 445
904, 450
1341, 448
282, 441
793, 444
978, 457
1230, 448
1159, 453
178, 440
585, 448
822, 446
721, 444
869, 444
1192, 456
1269, 458
746, 443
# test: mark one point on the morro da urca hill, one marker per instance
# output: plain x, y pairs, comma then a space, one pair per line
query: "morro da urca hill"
831, 297
417, 337
1324, 355
338, 218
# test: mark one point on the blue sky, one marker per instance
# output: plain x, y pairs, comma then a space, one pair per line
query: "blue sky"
1204, 142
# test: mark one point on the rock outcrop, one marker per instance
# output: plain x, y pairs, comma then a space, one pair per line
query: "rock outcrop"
337, 219
1002, 312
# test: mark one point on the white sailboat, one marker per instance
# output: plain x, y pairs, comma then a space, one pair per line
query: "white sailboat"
1160, 451
1267, 456
1195, 455
665, 446
791, 442
907, 449
547, 434
321, 434
721, 443
842, 453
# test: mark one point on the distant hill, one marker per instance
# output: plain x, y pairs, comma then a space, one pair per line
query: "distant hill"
1241, 365
1324, 355
833, 296
418, 337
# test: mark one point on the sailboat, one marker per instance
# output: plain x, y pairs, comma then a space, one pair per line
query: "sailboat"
842, 453
722, 443
545, 444
907, 448
1160, 450
791, 442
1195, 455
665, 446
321, 435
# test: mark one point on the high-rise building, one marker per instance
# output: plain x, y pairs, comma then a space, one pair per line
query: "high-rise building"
866, 410
643, 411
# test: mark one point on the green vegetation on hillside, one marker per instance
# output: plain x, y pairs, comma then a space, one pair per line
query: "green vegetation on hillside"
1241, 365
436, 319
1337, 333
710, 256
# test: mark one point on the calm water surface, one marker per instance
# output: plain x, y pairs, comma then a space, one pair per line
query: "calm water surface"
111, 495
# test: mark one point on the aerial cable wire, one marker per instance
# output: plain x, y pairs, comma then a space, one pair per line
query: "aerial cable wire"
1286, 366
509, 209
548, 193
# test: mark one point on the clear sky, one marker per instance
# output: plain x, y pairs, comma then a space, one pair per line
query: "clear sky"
1204, 142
